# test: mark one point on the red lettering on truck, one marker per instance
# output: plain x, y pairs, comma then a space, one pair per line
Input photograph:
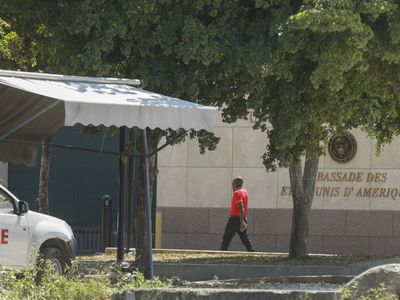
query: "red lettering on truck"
4, 237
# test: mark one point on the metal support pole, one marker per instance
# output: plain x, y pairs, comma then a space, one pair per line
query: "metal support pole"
106, 213
123, 188
154, 205
148, 203
130, 213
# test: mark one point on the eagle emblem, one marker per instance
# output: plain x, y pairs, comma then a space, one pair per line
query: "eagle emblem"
342, 148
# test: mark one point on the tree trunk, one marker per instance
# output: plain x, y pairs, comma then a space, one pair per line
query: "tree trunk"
43, 197
141, 258
303, 186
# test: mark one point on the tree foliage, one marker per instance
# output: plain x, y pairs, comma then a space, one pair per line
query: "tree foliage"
15, 52
333, 67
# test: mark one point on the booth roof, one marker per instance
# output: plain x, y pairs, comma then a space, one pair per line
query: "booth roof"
35, 105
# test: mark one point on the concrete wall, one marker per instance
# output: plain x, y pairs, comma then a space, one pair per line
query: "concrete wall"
356, 207
331, 231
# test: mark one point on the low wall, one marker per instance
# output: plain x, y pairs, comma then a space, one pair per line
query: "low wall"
196, 272
223, 294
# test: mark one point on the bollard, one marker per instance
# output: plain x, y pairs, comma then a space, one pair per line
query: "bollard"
106, 213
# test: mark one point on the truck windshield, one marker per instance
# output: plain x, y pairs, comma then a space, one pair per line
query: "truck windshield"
6, 205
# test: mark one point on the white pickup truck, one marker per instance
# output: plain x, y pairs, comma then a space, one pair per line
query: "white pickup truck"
24, 234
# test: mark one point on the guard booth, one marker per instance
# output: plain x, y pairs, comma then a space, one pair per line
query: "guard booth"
36, 105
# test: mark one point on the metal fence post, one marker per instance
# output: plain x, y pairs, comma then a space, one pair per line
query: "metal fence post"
123, 194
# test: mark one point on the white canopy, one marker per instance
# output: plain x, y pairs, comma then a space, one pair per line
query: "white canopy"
36, 105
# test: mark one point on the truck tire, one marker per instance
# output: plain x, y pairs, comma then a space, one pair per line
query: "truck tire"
54, 255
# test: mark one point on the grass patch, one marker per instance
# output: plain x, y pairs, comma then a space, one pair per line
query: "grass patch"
72, 286
240, 258
379, 293
273, 259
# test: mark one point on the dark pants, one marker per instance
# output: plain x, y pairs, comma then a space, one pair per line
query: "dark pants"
232, 227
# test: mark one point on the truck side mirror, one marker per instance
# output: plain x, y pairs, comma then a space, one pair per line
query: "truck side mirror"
23, 207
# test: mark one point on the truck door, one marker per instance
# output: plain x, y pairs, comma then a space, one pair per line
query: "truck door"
14, 232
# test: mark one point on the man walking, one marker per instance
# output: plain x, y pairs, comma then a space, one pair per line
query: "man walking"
237, 222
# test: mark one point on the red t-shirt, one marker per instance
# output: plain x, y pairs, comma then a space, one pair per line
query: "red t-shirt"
240, 194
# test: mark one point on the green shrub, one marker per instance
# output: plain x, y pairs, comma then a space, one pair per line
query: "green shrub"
72, 286
380, 293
